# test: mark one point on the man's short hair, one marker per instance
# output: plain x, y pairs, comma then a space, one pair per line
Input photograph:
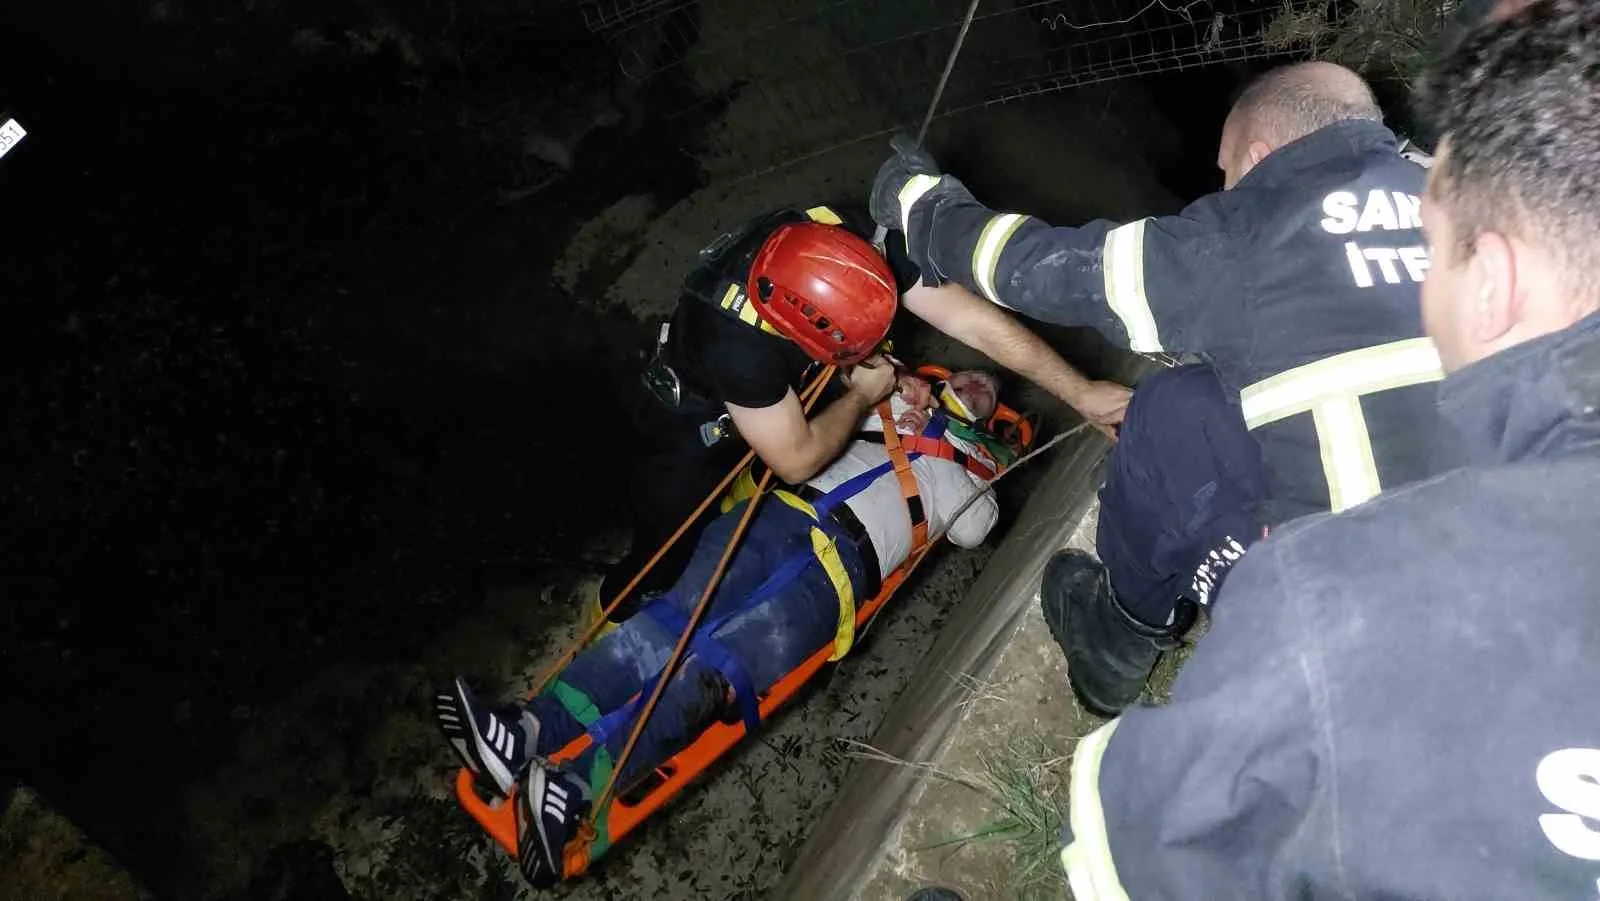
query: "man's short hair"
1518, 101
1290, 102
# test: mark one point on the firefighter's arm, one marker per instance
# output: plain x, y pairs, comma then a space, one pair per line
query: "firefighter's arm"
959, 313
1219, 788
1144, 284
796, 448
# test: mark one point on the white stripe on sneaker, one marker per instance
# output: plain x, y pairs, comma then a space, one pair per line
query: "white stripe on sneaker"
558, 791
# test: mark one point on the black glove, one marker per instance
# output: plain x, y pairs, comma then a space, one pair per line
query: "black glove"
909, 160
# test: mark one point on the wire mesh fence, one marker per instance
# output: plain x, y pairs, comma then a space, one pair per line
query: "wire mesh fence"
798, 79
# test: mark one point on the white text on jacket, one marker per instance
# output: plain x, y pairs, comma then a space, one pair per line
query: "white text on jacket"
1345, 213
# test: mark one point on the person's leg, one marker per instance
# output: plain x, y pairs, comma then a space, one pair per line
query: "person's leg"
1185, 483
554, 799
616, 667
1186, 475
770, 639
608, 675
766, 641
673, 473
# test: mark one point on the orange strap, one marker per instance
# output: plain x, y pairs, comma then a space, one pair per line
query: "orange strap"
944, 450
908, 479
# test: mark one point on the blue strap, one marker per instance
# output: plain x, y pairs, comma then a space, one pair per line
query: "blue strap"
709, 650
704, 643
853, 486
717, 656
937, 423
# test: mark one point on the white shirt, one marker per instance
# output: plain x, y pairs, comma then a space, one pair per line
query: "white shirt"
943, 484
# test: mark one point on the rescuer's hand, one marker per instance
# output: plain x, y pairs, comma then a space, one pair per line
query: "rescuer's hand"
1103, 404
872, 379
909, 160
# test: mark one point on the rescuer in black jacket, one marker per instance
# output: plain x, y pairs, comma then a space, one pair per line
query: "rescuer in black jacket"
1298, 286
765, 305
1399, 702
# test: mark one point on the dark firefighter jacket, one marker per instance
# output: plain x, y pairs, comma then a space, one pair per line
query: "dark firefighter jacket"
1299, 285
1395, 702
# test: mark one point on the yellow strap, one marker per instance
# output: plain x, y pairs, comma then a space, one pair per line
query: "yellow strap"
1330, 390
742, 489
738, 302
824, 215
827, 554
1090, 870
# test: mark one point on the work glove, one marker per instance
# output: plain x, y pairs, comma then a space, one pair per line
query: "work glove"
908, 160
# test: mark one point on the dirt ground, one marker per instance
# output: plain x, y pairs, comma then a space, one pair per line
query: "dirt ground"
1025, 698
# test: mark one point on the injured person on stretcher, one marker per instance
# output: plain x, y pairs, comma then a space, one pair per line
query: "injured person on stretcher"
790, 589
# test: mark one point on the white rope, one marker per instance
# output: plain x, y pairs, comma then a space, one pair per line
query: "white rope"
989, 485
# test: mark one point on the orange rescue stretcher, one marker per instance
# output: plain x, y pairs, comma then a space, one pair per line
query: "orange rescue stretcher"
631, 805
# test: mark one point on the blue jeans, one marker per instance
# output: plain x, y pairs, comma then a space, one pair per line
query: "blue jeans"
768, 640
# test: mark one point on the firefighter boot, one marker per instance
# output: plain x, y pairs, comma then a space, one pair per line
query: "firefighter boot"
1110, 654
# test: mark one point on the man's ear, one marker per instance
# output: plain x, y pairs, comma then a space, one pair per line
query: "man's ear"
1496, 308
1258, 151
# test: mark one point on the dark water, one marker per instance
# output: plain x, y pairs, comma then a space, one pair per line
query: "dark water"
280, 373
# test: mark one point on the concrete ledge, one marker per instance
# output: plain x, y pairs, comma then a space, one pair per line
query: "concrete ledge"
847, 842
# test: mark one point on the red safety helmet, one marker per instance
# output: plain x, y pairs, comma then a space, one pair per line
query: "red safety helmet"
825, 289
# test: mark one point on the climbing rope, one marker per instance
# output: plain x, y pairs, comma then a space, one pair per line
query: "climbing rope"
938, 92
587, 832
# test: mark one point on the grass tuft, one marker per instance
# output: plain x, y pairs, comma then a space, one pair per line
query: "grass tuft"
1024, 784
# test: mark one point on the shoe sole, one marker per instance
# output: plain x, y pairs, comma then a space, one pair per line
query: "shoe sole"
456, 719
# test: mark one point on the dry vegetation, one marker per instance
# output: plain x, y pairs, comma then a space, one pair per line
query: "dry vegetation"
1384, 39
45, 858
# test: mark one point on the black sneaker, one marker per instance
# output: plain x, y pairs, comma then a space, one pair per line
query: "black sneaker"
498, 744
936, 893
1110, 654
549, 807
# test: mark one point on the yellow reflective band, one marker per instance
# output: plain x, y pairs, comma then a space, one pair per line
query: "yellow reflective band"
910, 194
747, 314
1347, 460
738, 302
1090, 870
1378, 368
986, 255
1123, 260
827, 553
824, 215
1331, 390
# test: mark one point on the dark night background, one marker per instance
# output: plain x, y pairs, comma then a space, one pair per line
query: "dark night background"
267, 412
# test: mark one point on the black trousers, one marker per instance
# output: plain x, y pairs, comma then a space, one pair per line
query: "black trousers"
1186, 478
670, 474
